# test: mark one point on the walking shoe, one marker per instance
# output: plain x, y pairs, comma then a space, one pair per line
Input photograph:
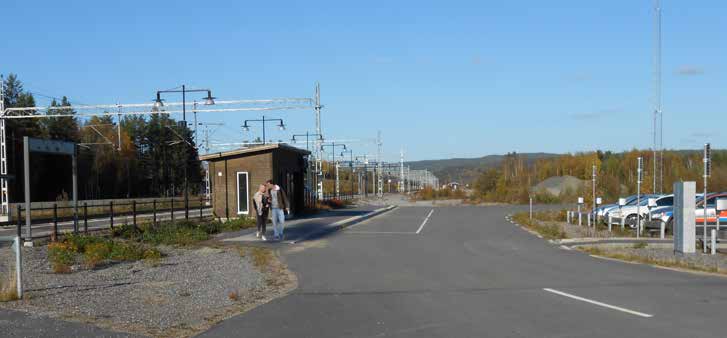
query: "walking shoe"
263, 238
257, 234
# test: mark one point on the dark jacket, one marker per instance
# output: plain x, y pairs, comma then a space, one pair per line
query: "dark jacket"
282, 198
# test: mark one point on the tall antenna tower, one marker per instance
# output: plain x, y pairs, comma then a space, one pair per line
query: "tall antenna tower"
658, 148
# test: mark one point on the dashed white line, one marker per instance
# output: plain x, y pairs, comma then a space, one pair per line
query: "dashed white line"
613, 307
425, 221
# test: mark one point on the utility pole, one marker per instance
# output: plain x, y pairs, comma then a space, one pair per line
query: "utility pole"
593, 202
118, 129
319, 161
378, 166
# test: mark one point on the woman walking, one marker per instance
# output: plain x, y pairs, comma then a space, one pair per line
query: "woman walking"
261, 204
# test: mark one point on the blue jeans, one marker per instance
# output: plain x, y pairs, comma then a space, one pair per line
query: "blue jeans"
278, 216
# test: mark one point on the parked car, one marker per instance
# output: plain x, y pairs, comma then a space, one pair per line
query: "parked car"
607, 209
629, 212
711, 209
665, 214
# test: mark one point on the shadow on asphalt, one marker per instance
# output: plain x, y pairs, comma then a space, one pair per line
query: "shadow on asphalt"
313, 227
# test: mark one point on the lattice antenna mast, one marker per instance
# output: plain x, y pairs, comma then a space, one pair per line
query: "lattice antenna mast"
4, 201
658, 116
319, 131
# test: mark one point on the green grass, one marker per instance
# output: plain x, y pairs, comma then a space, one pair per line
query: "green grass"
179, 233
547, 230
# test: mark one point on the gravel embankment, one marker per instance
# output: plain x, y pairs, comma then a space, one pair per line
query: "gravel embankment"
181, 294
663, 254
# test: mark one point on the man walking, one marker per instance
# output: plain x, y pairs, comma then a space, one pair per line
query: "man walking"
279, 206
261, 205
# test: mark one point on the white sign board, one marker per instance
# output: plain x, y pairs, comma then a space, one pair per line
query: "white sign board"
580, 200
598, 201
684, 220
722, 204
621, 202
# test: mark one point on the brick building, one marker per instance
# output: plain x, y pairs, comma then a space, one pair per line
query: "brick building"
235, 176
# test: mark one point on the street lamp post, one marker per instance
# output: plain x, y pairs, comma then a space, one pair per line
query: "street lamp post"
333, 146
350, 167
307, 138
246, 127
158, 104
364, 183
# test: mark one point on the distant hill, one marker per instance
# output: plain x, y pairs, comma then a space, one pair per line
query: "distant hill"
466, 170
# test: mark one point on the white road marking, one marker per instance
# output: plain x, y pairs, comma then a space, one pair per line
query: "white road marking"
613, 307
381, 232
425, 221
565, 247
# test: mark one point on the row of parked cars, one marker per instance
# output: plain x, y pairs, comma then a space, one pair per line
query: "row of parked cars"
655, 210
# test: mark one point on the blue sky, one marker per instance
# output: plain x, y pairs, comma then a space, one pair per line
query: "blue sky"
441, 79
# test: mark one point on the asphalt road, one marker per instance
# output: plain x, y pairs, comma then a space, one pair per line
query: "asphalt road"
468, 272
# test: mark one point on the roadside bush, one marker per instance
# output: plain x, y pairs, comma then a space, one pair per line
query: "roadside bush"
548, 231
94, 251
181, 232
335, 203
550, 215
238, 224
173, 234
61, 256
95, 254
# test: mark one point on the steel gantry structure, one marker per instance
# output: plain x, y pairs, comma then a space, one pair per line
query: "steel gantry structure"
120, 110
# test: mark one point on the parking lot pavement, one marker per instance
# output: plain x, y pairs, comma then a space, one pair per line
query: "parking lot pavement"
19, 324
471, 273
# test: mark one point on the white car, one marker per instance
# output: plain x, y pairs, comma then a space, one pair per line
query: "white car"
629, 212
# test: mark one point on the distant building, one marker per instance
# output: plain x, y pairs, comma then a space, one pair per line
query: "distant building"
451, 185
235, 176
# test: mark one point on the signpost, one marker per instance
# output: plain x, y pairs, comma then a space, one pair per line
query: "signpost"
34, 145
621, 203
639, 178
580, 202
707, 172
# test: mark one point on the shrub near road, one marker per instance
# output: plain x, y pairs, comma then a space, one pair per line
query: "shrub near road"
548, 227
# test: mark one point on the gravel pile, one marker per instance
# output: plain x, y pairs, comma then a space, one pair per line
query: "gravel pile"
184, 292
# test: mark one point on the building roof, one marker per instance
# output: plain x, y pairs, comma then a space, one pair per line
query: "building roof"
251, 150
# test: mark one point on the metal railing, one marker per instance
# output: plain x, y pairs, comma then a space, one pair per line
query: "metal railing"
110, 215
